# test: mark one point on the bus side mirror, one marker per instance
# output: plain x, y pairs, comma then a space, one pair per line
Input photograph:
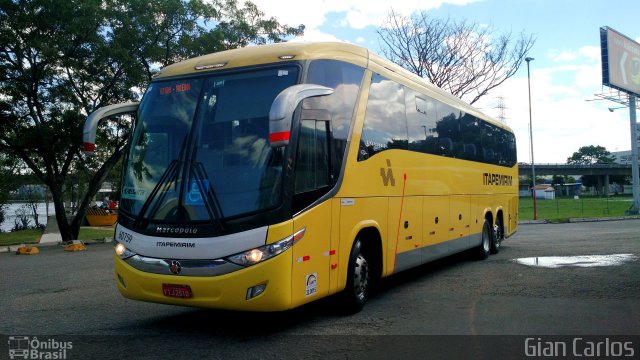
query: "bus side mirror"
91, 124
284, 105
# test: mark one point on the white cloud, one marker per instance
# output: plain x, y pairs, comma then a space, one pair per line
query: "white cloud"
316, 35
565, 56
588, 53
562, 120
355, 13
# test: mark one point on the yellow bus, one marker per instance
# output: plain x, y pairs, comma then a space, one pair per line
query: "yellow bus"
267, 177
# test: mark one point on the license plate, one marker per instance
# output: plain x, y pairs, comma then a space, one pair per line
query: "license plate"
177, 291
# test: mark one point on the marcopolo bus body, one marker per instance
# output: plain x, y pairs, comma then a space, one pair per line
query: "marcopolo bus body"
267, 177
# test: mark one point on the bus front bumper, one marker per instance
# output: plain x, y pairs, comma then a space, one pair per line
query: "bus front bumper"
229, 291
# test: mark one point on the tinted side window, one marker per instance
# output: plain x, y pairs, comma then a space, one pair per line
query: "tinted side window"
421, 122
345, 80
385, 125
449, 132
471, 139
487, 143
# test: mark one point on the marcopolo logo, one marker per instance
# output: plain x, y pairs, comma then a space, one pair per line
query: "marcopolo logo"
25, 347
176, 230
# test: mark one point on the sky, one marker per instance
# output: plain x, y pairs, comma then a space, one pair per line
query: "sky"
565, 74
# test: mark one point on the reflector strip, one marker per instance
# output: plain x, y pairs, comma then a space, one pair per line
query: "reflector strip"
279, 136
304, 258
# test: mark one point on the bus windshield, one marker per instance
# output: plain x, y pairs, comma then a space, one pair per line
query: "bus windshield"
200, 149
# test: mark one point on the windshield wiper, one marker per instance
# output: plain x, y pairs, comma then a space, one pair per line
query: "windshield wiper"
169, 176
211, 202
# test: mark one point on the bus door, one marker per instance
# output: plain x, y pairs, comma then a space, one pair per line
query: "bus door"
312, 252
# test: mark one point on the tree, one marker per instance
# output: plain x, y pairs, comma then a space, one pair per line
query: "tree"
557, 180
461, 57
62, 59
588, 155
562, 179
594, 154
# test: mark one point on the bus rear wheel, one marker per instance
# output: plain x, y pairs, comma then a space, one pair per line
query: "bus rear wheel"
356, 292
483, 250
498, 236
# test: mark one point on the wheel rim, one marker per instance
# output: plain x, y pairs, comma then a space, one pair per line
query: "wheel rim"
486, 235
499, 235
361, 277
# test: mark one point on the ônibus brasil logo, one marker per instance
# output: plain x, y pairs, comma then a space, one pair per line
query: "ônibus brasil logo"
25, 347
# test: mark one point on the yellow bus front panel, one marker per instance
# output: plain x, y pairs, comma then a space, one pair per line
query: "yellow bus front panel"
312, 253
227, 291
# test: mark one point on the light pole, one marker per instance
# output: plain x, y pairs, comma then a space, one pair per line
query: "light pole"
533, 168
635, 177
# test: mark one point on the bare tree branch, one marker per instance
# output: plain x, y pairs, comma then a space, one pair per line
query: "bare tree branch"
461, 57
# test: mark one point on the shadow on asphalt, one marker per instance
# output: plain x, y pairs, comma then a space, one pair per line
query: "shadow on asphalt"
239, 325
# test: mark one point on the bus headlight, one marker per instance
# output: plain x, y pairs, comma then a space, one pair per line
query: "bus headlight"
254, 256
123, 252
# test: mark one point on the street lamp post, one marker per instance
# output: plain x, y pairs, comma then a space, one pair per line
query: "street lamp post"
635, 177
533, 168
635, 140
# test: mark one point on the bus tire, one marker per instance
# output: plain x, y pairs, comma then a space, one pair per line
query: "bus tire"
483, 250
356, 292
498, 236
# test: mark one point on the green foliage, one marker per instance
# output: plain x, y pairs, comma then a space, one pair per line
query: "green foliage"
62, 59
562, 179
591, 154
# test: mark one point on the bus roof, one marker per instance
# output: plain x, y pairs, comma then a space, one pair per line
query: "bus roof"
287, 51
272, 53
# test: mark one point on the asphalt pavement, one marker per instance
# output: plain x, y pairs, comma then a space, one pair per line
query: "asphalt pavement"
454, 304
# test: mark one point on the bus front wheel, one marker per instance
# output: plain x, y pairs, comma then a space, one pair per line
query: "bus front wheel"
356, 292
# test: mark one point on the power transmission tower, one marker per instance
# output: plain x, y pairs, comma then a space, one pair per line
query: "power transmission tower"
502, 117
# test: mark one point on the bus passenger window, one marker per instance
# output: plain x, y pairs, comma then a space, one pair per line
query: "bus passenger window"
421, 122
385, 125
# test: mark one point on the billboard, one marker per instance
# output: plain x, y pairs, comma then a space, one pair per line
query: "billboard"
620, 61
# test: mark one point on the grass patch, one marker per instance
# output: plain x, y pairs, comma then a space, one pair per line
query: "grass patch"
33, 236
92, 233
20, 237
562, 209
